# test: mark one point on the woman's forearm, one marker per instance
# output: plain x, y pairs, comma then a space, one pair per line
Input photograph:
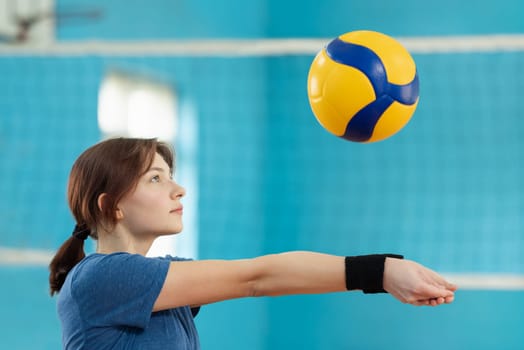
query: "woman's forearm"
298, 273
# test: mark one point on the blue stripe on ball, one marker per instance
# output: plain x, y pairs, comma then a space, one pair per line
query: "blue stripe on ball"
362, 59
360, 127
369, 63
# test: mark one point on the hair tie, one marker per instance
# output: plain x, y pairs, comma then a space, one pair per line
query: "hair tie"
81, 232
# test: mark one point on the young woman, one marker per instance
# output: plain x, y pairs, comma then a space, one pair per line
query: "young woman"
121, 193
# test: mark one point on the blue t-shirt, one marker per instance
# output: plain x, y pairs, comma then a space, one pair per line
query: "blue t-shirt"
106, 302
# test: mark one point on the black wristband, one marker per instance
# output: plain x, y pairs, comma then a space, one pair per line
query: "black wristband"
366, 272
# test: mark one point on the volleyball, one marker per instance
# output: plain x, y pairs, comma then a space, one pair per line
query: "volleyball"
363, 86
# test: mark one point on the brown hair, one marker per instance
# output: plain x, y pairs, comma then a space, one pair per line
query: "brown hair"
112, 167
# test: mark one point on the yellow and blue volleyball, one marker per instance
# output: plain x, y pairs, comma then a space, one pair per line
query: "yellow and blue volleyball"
363, 86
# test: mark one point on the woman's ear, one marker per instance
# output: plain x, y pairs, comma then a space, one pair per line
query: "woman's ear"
101, 202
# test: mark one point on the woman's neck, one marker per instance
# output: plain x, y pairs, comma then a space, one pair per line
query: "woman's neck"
119, 240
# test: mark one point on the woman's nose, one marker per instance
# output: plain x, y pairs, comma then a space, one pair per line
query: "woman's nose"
178, 191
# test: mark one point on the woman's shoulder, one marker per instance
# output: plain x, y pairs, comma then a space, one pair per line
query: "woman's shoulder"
98, 260
99, 267
120, 257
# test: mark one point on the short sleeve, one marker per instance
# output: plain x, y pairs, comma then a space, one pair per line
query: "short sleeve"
119, 289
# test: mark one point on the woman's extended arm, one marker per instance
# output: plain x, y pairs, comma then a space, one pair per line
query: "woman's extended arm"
208, 281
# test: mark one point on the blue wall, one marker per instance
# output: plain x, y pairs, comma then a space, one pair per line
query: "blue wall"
445, 191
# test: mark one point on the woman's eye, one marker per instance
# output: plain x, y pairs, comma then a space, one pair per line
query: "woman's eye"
155, 178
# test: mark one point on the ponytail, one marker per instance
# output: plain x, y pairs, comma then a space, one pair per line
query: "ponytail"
69, 254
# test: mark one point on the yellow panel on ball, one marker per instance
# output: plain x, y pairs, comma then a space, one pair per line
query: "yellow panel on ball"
363, 86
